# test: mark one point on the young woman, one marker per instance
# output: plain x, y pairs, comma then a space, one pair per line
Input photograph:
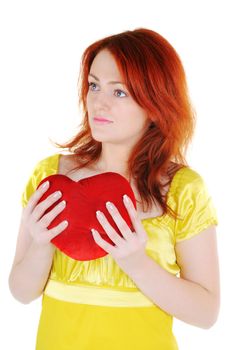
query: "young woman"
169, 265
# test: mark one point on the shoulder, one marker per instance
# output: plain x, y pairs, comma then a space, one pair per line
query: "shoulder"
188, 179
45, 167
52, 159
191, 195
66, 162
193, 203
42, 168
57, 161
188, 186
47, 161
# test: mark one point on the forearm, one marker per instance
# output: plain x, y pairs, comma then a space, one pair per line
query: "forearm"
181, 298
28, 278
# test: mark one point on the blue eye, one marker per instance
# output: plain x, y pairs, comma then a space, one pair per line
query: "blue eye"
92, 87
120, 91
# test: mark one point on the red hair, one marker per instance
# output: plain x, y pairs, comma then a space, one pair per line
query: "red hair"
155, 78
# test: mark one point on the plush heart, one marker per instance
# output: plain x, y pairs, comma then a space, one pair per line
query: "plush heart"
83, 198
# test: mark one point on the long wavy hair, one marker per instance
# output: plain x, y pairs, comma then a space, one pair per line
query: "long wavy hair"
156, 80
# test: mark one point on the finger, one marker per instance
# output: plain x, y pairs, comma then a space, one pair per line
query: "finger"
40, 209
121, 223
110, 231
50, 216
136, 222
101, 242
37, 195
55, 231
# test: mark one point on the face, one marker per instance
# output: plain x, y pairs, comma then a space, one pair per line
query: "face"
109, 98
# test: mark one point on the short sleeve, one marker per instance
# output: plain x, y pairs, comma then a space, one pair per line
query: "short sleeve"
195, 206
42, 169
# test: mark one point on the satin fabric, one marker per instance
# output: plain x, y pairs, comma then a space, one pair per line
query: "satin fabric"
188, 195
95, 295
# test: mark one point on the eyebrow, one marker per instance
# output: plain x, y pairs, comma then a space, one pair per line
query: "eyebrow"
110, 82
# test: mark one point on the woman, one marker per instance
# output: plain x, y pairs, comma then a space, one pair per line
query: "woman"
169, 265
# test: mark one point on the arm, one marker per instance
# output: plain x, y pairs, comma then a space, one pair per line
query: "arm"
28, 278
30, 268
34, 251
195, 296
192, 298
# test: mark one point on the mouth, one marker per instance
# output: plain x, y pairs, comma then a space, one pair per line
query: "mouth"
102, 120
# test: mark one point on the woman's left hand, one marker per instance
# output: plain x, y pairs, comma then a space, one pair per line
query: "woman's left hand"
129, 250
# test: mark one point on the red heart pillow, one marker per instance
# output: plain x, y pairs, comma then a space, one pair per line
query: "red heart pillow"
83, 198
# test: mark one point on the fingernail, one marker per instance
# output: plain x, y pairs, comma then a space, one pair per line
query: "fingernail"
109, 205
126, 198
57, 194
45, 184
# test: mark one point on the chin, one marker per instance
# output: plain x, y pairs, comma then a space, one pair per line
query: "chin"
98, 138
104, 139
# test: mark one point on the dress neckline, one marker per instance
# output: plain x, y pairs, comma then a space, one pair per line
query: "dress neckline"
170, 190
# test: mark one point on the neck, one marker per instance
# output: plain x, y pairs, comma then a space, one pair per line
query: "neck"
113, 159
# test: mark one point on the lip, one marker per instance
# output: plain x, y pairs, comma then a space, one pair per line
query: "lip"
100, 119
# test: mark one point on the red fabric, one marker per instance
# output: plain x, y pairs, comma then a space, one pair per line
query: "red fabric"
83, 198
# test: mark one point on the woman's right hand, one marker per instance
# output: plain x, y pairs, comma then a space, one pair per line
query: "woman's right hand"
36, 223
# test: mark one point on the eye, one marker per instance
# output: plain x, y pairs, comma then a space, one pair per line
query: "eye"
92, 85
120, 91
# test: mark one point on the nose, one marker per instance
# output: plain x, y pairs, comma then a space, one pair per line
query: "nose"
101, 100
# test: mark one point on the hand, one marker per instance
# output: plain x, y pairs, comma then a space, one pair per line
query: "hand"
129, 250
36, 223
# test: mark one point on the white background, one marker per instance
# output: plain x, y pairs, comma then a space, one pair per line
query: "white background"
41, 45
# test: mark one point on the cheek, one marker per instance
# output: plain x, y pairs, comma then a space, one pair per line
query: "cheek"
88, 100
137, 117
131, 126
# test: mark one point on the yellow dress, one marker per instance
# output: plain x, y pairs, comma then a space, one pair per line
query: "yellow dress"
93, 305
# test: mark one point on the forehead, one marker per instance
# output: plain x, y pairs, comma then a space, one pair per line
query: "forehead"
105, 65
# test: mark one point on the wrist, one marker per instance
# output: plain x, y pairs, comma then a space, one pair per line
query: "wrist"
41, 251
135, 267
